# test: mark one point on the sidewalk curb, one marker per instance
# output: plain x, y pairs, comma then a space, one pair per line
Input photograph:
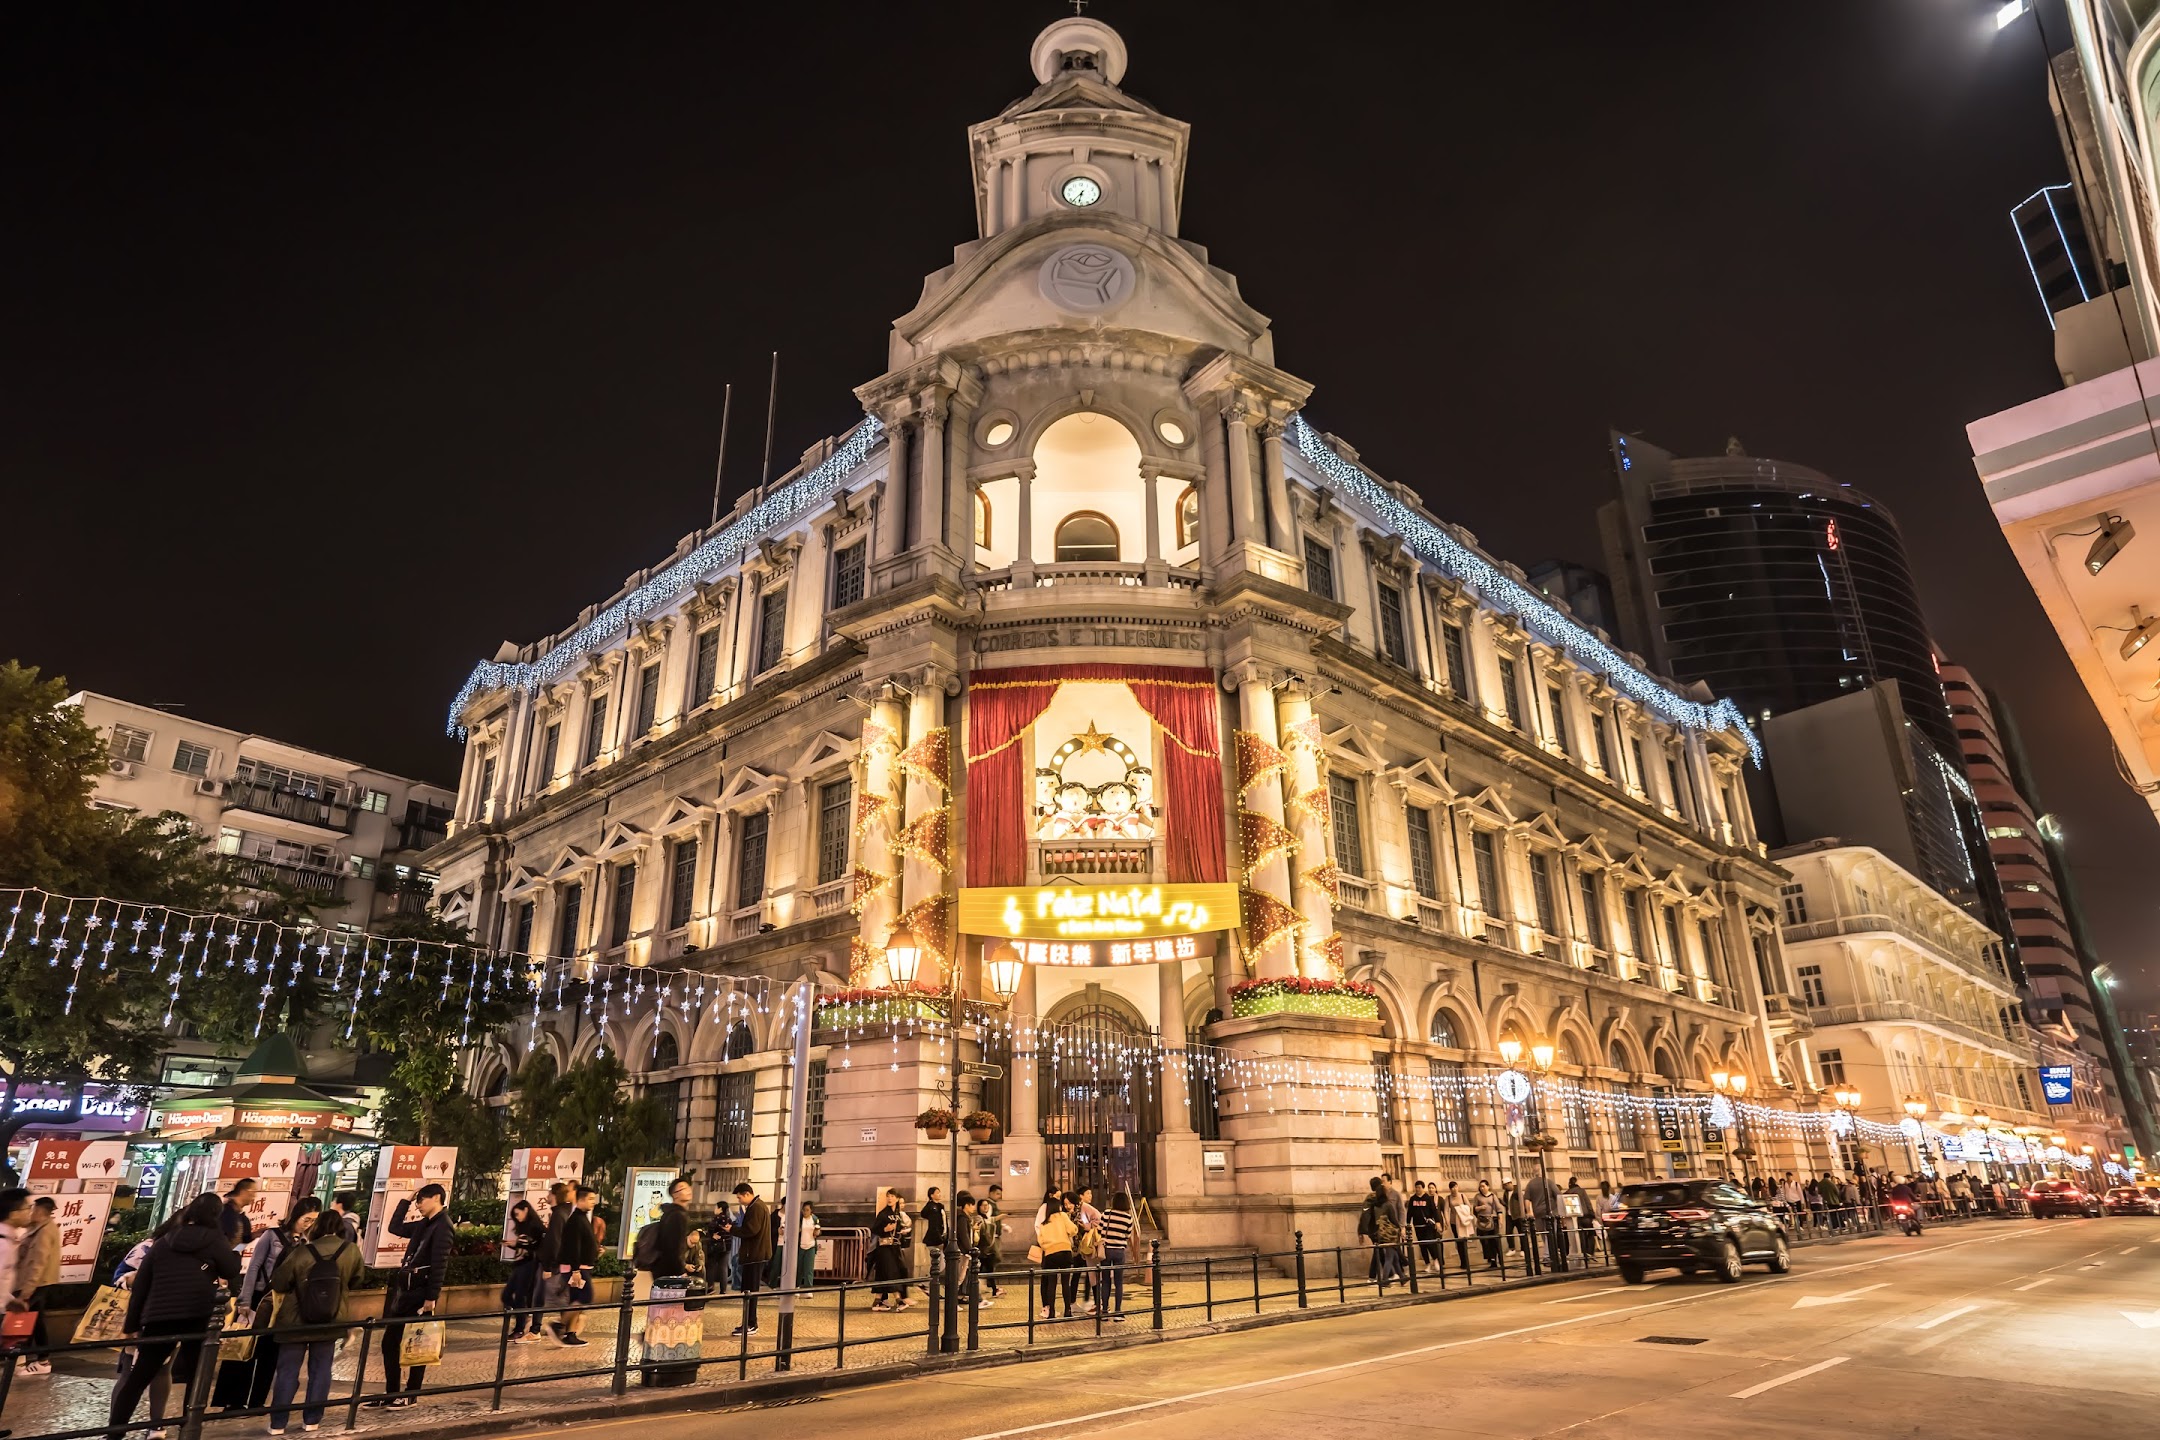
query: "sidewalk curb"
758, 1394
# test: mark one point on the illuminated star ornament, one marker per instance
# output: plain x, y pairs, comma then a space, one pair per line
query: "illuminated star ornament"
1093, 741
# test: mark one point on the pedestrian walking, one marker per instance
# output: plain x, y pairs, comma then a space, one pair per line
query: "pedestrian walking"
756, 1249
1543, 1199
37, 1270
1514, 1214
245, 1383
1486, 1212
1458, 1222
123, 1278
1378, 1227
1423, 1207
576, 1258
310, 1296
1057, 1236
233, 1222
182, 1281
806, 1243
416, 1286
1578, 1216
522, 1237
1117, 1232
933, 1219
992, 1237
892, 1232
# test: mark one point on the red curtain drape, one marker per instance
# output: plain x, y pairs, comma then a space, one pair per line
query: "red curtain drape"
1003, 703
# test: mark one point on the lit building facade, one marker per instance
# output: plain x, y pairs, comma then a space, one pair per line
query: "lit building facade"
1084, 640
1911, 998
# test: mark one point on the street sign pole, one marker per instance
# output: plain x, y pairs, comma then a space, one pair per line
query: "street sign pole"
805, 1003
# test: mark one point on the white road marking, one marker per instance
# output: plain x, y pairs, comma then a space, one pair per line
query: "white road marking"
1694, 1297
2144, 1322
2093, 1266
1753, 1390
2036, 1284
1806, 1302
2131, 1251
1945, 1319
1615, 1290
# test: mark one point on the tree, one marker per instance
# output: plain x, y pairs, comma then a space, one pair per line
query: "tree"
591, 1105
69, 1010
432, 999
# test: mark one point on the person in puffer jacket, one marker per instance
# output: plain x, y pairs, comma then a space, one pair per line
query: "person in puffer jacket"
180, 1284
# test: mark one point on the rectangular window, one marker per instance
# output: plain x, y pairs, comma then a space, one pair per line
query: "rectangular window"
360, 867
1383, 1088
192, 759
1458, 659
847, 576
836, 803
682, 883
487, 777
595, 727
1708, 941
566, 928
814, 1109
1642, 776
1575, 1120
1392, 644
1603, 737
1511, 692
521, 933
1794, 900
1558, 699
1343, 817
1593, 909
375, 801
1319, 568
1485, 860
731, 1127
1423, 874
625, 897
129, 743
1672, 784
1811, 987
1672, 936
1830, 1064
772, 629
1637, 937
705, 667
550, 745
1627, 1124
750, 860
648, 699
1450, 1102
1541, 890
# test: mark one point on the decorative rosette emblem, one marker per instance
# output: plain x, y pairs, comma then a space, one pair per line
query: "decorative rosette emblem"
1087, 278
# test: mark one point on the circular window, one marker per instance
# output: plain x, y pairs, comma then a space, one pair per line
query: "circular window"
1080, 191
1171, 431
999, 432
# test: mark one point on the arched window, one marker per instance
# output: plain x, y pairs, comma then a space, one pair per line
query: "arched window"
1617, 1057
1443, 1030
982, 519
666, 1053
1188, 517
1086, 538
739, 1041
1564, 1053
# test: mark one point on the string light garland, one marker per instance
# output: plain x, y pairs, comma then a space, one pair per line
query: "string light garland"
1434, 545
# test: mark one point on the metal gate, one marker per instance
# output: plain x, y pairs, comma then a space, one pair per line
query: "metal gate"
1101, 1104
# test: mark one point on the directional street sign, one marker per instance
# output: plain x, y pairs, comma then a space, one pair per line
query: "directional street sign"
977, 1067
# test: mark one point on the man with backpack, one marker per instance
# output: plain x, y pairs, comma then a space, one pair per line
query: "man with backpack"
311, 1286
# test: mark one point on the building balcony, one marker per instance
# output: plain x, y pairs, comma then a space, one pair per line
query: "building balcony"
1878, 924
325, 885
1905, 1012
331, 815
1075, 859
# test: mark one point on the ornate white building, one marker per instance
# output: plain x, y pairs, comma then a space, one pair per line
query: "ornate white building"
1086, 620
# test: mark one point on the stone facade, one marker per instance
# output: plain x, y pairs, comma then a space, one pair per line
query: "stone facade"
1083, 452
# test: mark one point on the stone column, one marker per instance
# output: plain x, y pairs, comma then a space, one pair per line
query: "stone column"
1314, 849
892, 506
1023, 566
1256, 713
1282, 526
959, 492
1157, 571
874, 849
1244, 523
920, 879
1170, 999
930, 406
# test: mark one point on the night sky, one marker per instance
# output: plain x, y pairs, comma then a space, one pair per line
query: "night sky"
339, 347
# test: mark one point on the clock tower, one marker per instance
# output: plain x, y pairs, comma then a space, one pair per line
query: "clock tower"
1078, 142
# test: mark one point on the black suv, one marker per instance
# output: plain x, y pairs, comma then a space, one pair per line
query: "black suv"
1695, 1224
2061, 1197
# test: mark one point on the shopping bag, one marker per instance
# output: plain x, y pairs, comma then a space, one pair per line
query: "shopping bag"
104, 1319
1035, 1255
16, 1328
423, 1344
237, 1347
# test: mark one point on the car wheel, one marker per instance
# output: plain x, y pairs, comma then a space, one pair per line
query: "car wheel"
1630, 1273
1728, 1263
1780, 1255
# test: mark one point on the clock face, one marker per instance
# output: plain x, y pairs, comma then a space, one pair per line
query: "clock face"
1080, 190
1513, 1085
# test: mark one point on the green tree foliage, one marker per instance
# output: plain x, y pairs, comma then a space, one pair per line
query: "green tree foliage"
429, 1000
591, 1104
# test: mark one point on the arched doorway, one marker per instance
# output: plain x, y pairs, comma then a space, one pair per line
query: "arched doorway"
1101, 1104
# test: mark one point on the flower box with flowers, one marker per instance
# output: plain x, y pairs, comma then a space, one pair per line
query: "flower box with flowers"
1303, 995
855, 1009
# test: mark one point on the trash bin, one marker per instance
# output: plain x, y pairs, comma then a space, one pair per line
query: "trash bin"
674, 1331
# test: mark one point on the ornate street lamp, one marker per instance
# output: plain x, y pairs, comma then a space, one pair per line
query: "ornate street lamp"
1004, 968
902, 957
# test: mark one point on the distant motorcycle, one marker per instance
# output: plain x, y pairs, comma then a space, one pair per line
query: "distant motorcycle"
1908, 1216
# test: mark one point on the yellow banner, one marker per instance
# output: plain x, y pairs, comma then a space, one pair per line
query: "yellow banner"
1097, 912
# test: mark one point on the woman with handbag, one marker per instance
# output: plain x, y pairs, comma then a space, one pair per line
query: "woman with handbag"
522, 1237
1458, 1219
1055, 1239
1485, 1213
176, 1290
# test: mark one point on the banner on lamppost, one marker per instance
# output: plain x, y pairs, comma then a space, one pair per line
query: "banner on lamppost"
1668, 1124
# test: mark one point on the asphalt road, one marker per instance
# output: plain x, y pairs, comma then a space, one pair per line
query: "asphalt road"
2014, 1330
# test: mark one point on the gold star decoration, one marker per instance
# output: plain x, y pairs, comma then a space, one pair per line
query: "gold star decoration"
1093, 741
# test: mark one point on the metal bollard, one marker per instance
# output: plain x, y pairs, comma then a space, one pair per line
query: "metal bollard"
1297, 1240
1154, 1283
196, 1400
623, 1313
1256, 1282
502, 1361
359, 1375
1207, 1277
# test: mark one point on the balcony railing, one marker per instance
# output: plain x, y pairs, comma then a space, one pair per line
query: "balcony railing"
1094, 857
1357, 892
1905, 1010
746, 922
1432, 917
828, 899
1872, 922
288, 805
263, 874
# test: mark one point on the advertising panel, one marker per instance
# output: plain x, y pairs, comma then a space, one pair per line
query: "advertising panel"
400, 1171
532, 1173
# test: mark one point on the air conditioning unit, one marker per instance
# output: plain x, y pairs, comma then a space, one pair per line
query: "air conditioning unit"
207, 787
121, 767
